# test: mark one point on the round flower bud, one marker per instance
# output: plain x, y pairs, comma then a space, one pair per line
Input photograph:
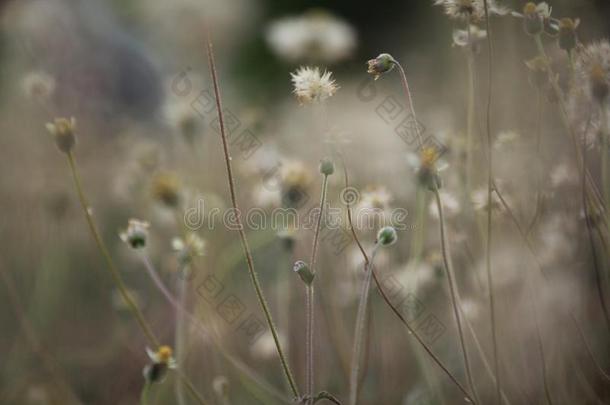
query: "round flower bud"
327, 167
136, 234
62, 130
567, 34
302, 269
533, 23
381, 64
387, 236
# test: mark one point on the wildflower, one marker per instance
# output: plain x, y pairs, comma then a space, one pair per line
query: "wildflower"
302, 269
162, 360
537, 19
311, 86
470, 10
567, 33
315, 36
192, 246
295, 179
428, 172
166, 189
381, 64
38, 85
62, 130
593, 70
266, 197
387, 236
327, 167
136, 233
464, 38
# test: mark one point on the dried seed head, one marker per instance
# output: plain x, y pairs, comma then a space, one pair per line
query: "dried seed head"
63, 130
381, 64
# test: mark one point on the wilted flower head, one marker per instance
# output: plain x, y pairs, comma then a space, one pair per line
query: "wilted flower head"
315, 36
473, 10
38, 85
62, 130
463, 38
381, 64
593, 70
166, 188
311, 86
295, 178
161, 361
136, 233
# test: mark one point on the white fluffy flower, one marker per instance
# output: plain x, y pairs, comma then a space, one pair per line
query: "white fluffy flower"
314, 36
470, 9
461, 37
311, 86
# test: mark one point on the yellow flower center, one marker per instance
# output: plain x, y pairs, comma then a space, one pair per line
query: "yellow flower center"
164, 353
529, 8
428, 157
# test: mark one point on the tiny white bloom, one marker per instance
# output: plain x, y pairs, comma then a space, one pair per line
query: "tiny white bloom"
461, 37
311, 86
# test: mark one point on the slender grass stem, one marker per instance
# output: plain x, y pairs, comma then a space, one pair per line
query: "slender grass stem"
116, 276
386, 298
453, 290
538, 202
310, 297
242, 234
179, 336
582, 168
359, 332
144, 394
114, 272
490, 286
470, 114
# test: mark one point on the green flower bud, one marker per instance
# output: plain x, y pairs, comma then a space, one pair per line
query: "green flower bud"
302, 269
387, 236
327, 167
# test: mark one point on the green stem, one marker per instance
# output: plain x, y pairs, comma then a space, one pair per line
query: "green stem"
310, 297
359, 332
144, 394
419, 236
489, 193
242, 234
114, 272
453, 290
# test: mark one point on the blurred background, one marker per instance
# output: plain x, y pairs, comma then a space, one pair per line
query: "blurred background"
134, 75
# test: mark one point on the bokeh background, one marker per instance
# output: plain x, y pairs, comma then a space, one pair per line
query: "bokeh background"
66, 336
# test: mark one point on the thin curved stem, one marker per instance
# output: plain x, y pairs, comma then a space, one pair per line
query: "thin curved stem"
453, 290
490, 286
116, 276
242, 234
538, 203
175, 303
114, 272
359, 332
386, 298
407, 91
